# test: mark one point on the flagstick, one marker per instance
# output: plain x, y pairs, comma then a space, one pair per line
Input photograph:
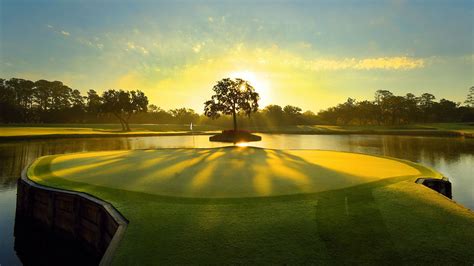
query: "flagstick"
192, 133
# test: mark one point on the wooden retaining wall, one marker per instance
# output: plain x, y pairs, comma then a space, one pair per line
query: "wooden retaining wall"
96, 224
442, 186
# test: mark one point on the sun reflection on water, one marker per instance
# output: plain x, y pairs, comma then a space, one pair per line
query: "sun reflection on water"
242, 144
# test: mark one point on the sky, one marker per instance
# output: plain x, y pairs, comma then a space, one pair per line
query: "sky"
312, 54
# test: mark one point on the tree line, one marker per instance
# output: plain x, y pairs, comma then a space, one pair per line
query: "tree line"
42, 101
390, 109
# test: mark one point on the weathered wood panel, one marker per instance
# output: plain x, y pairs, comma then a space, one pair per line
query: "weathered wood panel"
92, 222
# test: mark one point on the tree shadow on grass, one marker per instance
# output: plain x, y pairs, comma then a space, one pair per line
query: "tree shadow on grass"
352, 227
342, 226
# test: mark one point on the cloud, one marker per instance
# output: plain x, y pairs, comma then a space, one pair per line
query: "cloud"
384, 63
276, 56
91, 43
328, 64
197, 47
131, 46
401, 62
62, 32
304, 45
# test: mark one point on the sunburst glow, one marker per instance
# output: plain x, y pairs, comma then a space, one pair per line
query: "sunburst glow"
259, 81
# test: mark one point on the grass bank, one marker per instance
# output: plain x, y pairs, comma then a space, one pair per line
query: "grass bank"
437, 129
35, 131
52, 131
258, 206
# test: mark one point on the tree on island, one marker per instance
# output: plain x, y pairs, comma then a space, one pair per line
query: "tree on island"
122, 104
470, 97
231, 97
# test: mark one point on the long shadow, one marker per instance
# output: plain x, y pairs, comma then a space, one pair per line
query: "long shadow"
308, 228
175, 172
353, 229
342, 226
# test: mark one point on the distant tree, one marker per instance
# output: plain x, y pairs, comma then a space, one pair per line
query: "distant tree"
309, 118
380, 95
445, 110
42, 95
366, 112
184, 115
230, 98
8, 108
411, 109
93, 103
292, 114
77, 110
274, 114
23, 92
153, 108
470, 98
60, 95
347, 111
426, 102
77, 100
396, 109
382, 101
292, 110
122, 104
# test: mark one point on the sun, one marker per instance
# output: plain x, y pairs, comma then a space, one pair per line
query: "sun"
259, 82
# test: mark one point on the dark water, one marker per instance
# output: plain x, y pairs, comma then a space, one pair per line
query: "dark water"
454, 157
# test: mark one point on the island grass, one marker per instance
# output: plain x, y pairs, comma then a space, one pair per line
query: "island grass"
223, 172
30, 131
387, 220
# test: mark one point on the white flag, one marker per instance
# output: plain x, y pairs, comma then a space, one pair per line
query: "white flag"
191, 126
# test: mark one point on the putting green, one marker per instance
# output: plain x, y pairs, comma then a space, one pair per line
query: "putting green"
365, 210
223, 172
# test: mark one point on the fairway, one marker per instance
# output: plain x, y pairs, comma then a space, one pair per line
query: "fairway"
245, 205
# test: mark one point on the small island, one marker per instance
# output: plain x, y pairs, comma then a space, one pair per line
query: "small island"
235, 136
231, 97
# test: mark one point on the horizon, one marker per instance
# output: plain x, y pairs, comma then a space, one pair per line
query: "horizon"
311, 55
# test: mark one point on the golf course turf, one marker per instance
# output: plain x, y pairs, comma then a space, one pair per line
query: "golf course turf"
251, 205
52, 131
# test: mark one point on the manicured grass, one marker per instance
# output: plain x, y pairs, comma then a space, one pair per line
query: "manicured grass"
115, 127
433, 129
355, 209
27, 131
224, 172
95, 130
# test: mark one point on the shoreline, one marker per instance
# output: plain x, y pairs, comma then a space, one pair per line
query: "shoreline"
100, 135
418, 133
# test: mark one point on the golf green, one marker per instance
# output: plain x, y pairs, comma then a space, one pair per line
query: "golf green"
252, 205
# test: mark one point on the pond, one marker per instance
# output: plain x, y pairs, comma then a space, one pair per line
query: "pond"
454, 157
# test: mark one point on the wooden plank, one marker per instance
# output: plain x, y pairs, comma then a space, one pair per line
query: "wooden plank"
80, 215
